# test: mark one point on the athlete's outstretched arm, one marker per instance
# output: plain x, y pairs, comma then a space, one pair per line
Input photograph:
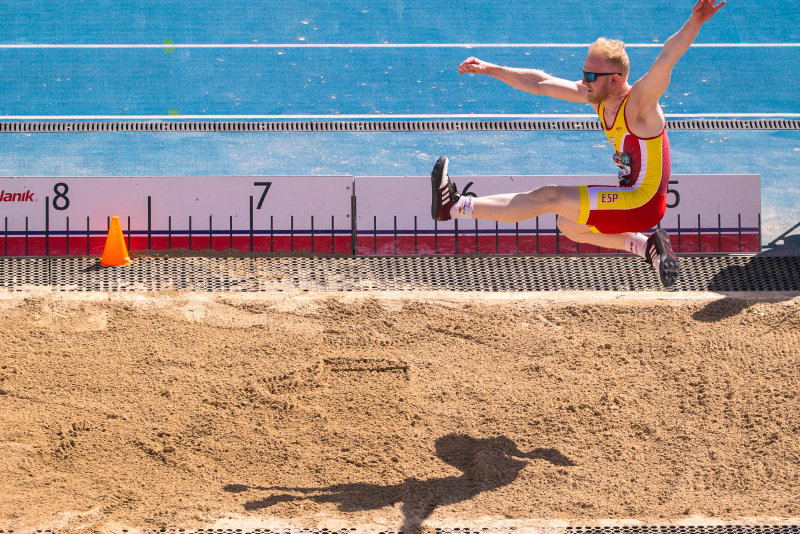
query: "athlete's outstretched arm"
654, 84
532, 81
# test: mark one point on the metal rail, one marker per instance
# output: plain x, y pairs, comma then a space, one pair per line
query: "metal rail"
371, 126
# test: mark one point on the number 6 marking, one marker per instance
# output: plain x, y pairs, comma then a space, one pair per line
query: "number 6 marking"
266, 185
677, 195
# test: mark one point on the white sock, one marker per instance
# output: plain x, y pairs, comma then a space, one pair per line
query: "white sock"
462, 209
636, 243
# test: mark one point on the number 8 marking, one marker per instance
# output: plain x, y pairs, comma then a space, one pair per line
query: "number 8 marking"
61, 194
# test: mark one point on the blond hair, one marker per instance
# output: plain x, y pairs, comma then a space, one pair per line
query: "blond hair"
612, 51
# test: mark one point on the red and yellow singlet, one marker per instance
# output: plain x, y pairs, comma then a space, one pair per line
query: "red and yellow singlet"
639, 202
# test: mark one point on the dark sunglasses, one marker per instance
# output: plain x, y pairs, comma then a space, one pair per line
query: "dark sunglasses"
592, 76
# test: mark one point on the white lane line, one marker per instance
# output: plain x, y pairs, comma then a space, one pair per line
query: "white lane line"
532, 116
386, 45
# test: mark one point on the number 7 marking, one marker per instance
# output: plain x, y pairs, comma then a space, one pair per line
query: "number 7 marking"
266, 185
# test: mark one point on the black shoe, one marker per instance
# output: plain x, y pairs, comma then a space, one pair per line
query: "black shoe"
658, 246
443, 192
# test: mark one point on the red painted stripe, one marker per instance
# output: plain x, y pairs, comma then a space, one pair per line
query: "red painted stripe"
445, 244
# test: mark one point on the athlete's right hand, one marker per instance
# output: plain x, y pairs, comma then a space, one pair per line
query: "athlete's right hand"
473, 65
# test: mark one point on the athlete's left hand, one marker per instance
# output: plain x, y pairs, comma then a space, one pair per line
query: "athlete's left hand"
705, 9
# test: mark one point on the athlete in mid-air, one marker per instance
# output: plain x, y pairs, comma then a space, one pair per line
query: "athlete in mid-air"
606, 216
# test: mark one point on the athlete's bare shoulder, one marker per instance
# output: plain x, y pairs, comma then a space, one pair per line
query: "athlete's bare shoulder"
645, 118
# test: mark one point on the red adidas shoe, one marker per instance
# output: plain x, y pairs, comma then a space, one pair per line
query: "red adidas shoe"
658, 246
443, 191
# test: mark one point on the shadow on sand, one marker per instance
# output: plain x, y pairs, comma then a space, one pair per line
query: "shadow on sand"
486, 464
720, 310
770, 276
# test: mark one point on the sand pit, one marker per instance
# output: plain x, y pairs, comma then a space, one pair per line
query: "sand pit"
173, 410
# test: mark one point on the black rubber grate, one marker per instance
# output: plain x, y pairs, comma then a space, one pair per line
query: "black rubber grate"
687, 529
372, 126
426, 273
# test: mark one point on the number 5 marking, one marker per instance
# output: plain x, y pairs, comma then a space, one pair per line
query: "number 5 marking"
675, 192
266, 186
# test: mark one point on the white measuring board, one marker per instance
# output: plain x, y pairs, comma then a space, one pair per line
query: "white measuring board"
288, 212
394, 216
69, 215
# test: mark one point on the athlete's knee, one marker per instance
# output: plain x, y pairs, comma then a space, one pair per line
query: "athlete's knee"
564, 226
571, 229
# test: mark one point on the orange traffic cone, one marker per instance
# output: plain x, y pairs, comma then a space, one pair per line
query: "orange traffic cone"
115, 253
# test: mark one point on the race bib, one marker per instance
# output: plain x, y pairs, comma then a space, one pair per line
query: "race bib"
623, 161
